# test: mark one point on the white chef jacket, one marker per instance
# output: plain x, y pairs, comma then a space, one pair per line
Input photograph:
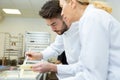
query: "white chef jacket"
69, 42
100, 48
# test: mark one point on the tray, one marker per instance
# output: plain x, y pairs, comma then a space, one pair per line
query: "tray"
15, 75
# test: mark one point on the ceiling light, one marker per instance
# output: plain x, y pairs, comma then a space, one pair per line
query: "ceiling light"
11, 11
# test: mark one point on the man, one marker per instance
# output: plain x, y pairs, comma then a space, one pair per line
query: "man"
67, 40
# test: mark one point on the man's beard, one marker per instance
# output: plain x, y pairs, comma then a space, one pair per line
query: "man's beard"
65, 28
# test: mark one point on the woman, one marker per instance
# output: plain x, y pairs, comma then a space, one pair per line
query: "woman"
99, 39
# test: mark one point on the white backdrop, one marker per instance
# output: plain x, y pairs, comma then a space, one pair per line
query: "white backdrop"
115, 4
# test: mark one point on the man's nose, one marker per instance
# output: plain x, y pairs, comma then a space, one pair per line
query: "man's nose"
53, 28
62, 13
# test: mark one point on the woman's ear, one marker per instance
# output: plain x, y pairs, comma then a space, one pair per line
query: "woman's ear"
73, 4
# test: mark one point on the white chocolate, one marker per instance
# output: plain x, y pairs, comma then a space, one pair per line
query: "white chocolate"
26, 66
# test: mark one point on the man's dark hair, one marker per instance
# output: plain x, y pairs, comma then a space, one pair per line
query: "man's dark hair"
51, 9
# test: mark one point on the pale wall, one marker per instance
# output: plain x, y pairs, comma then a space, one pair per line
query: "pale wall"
115, 4
17, 25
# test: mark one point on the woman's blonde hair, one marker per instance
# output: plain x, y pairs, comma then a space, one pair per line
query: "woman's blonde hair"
97, 4
102, 5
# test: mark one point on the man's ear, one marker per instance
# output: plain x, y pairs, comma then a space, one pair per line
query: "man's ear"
73, 4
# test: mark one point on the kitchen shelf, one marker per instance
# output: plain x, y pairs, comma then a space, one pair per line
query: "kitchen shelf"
36, 41
13, 46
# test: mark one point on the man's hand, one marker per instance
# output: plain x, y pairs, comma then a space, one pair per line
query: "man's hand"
34, 56
43, 67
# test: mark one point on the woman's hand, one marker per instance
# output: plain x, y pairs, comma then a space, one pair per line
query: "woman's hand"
43, 67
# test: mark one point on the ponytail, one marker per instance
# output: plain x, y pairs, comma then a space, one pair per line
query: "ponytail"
97, 4
102, 5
